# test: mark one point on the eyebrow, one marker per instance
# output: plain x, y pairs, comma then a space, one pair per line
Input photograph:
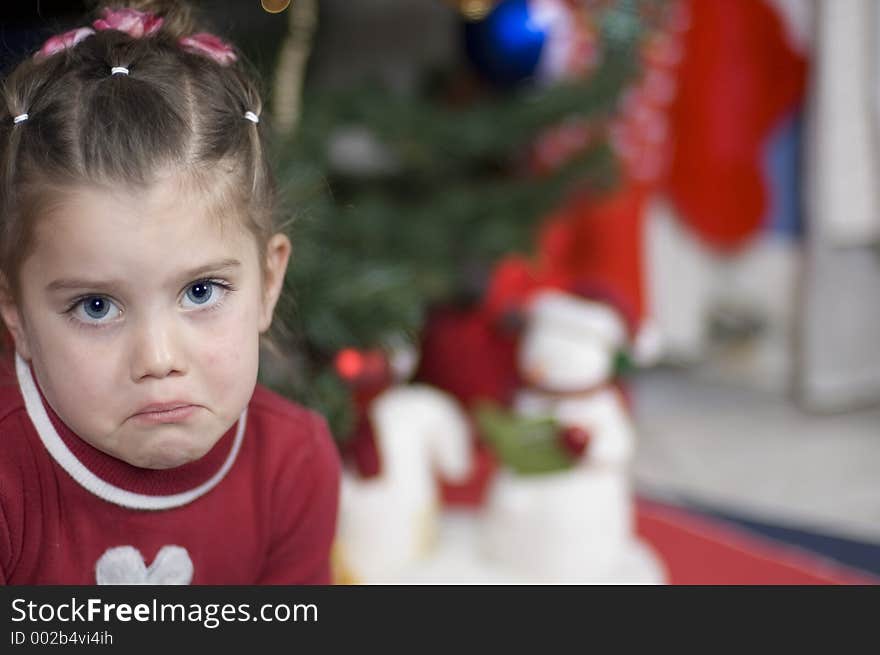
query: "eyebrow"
201, 271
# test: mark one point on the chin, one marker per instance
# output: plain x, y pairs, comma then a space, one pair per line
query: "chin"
165, 462
171, 454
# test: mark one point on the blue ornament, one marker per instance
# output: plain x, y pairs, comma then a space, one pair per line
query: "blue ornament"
505, 47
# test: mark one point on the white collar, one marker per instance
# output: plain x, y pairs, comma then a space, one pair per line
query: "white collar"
91, 482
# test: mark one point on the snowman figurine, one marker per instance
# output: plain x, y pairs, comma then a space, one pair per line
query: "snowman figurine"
571, 525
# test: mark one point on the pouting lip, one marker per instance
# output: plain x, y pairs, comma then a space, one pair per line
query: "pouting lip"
163, 407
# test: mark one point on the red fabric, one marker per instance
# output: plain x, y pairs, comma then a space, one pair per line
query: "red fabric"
471, 492
702, 551
737, 80
466, 354
596, 243
361, 450
514, 279
270, 520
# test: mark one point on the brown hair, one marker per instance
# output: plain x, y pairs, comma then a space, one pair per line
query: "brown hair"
174, 110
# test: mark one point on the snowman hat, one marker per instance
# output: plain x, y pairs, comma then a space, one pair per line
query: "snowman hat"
575, 313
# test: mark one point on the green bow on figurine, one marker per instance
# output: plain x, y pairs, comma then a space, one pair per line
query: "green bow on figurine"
530, 445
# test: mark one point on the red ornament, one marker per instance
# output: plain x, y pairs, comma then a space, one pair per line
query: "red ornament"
363, 368
349, 363
575, 440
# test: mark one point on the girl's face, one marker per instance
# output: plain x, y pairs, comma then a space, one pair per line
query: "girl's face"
140, 314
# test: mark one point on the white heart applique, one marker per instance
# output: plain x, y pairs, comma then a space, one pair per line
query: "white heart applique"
125, 565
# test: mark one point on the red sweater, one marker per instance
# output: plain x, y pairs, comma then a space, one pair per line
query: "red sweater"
259, 508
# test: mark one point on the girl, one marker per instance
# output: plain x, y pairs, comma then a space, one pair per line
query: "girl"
139, 266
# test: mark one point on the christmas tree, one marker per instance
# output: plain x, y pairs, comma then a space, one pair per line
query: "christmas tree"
403, 202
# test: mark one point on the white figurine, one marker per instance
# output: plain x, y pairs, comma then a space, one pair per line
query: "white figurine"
387, 523
572, 525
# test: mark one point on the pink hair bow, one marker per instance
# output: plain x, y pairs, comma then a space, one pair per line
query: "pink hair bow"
210, 46
136, 24
64, 41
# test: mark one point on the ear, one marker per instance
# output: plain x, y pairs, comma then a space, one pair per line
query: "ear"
13, 320
277, 256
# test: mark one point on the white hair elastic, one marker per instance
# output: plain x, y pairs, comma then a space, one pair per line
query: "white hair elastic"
252, 117
119, 70
21, 118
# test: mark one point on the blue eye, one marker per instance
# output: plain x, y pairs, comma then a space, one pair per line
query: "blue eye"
96, 307
200, 292
204, 293
96, 310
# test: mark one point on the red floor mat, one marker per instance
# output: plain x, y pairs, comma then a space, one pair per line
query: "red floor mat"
698, 550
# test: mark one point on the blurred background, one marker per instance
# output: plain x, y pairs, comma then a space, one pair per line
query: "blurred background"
705, 169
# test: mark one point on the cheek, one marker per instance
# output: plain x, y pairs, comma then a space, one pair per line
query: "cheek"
80, 380
227, 355
64, 357
228, 350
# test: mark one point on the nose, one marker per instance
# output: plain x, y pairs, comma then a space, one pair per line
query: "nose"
156, 352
